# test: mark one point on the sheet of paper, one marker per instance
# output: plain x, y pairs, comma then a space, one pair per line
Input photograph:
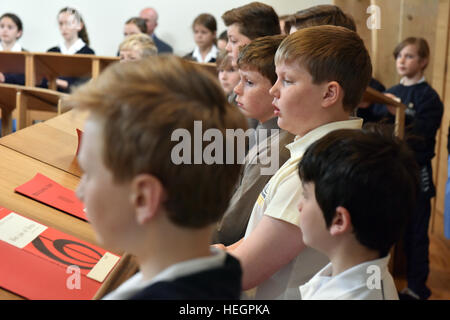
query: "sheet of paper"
19, 231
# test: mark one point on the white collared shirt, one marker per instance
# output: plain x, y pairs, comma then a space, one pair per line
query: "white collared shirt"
73, 49
16, 48
356, 283
279, 200
136, 283
211, 54
402, 81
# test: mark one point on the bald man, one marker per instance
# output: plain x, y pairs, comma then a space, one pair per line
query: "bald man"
151, 17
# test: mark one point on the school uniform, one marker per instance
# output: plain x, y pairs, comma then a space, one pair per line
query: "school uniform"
370, 280
197, 56
14, 78
79, 47
252, 180
162, 46
367, 113
216, 277
423, 117
279, 200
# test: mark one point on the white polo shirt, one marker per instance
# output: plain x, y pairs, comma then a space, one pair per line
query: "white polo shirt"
279, 200
366, 281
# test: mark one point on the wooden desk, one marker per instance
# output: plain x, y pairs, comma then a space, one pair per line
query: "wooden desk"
8, 102
17, 168
69, 121
47, 144
24, 99
36, 65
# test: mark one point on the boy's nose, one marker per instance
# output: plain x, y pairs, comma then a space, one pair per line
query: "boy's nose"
237, 88
274, 92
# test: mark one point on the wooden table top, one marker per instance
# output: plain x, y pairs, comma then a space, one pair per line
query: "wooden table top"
49, 148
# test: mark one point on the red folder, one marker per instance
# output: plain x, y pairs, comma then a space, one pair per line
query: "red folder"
44, 268
47, 191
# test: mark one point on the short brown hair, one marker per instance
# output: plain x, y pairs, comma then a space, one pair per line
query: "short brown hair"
207, 20
259, 55
139, 22
139, 106
223, 61
255, 20
140, 41
423, 50
322, 15
330, 53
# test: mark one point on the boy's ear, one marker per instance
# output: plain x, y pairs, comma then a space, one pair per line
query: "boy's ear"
423, 63
341, 222
147, 197
332, 93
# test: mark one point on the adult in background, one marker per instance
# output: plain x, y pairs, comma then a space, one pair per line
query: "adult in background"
151, 17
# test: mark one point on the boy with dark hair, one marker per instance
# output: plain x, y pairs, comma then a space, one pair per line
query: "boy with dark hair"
355, 212
137, 198
257, 75
322, 74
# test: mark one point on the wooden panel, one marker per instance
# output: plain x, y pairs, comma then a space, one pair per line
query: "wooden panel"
357, 9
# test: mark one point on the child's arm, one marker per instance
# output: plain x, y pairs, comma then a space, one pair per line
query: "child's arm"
273, 244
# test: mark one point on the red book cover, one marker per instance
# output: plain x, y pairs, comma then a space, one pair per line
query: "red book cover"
47, 191
38, 262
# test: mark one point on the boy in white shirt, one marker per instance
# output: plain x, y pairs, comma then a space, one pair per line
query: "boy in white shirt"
359, 187
322, 74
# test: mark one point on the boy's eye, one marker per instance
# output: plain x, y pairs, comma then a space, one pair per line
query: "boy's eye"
249, 83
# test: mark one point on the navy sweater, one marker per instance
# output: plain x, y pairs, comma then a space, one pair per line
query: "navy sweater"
222, 283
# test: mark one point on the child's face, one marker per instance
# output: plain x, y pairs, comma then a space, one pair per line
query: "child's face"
69, 26
311, 220
409, 63
203, 37
297, 100
236, 40
107, 203
130, 29
229, 78
130, 55
9, 32
253, 96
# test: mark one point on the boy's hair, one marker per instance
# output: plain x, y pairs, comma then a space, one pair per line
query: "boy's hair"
259, 55
82, 34
139, 22
370, 173
207, 20
224, 61
423, 50
330, 53
321, 15
140, 41
139, 106
15, 19
254, 20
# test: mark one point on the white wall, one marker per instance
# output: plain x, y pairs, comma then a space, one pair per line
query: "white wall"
105, 18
